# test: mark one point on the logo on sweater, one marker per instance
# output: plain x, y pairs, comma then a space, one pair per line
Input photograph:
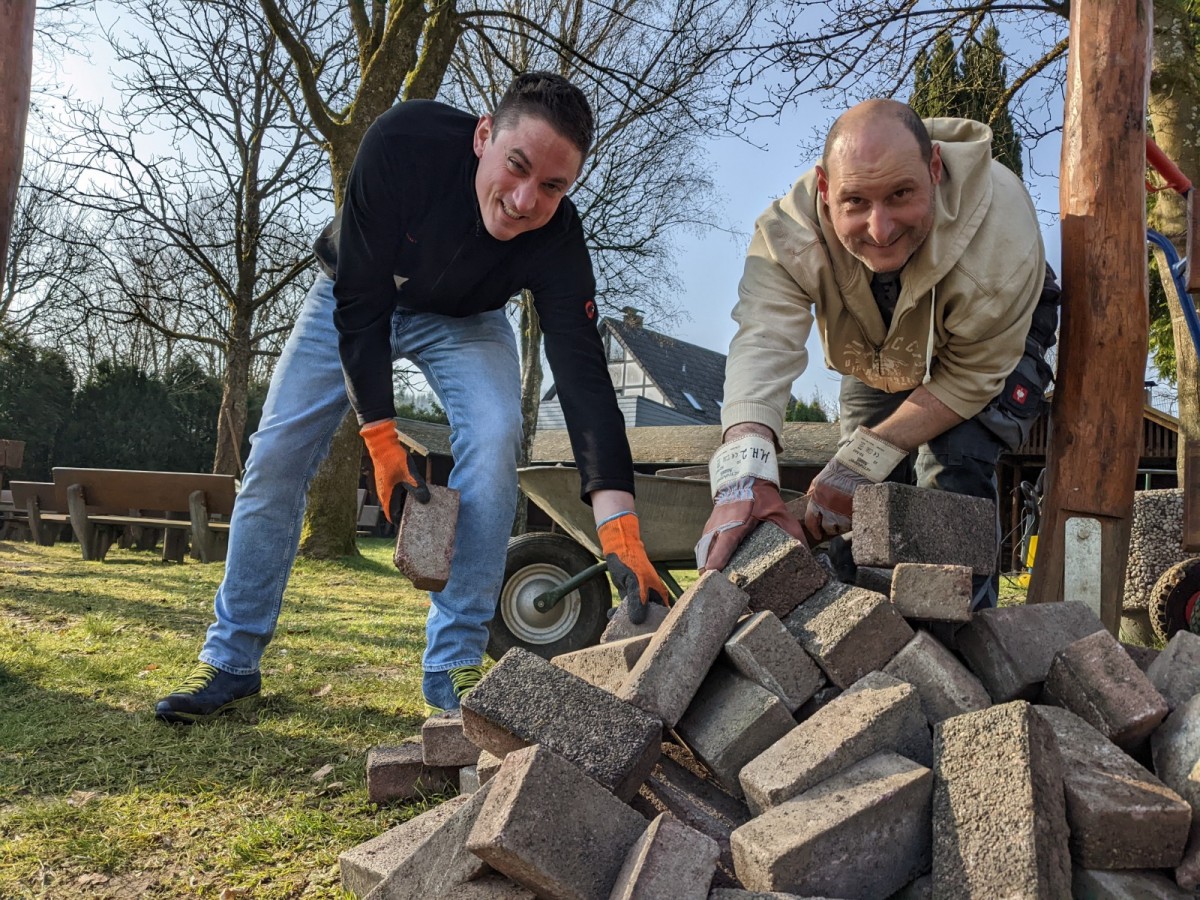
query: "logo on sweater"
590, 309
1020, 394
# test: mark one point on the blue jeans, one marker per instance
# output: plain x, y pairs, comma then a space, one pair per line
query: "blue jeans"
472, 365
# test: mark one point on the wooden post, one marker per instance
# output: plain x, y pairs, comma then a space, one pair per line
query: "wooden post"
16, 65
1095, 425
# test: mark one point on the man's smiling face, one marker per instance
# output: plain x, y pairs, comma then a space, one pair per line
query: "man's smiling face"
525, 169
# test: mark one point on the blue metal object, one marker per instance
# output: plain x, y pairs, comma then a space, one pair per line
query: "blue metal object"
1178, 268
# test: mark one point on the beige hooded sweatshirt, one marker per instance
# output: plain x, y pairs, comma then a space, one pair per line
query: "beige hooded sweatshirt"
966, 299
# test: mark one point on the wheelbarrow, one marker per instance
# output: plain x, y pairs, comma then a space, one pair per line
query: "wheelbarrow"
556, 597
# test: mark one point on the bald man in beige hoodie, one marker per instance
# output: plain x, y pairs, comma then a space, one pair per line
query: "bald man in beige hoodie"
920, 259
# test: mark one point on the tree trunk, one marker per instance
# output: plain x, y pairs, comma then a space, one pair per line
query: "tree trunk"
16, 67
1095, 425
235, 385
1175, 113
531, 395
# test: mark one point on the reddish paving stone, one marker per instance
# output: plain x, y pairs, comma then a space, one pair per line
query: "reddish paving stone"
1176, 671
999, 816
1096, 884
525, 700
931, 592
849, 632
863, 833
878, 713
1010, 649
1175, 748
399, 773
668, 674
668, 860
944, 684
551, 828
1144, 657
898, 523
764, 651
487, 766
1095, 679
443, 742
1106, 793
776, 571
425, 538
605, 665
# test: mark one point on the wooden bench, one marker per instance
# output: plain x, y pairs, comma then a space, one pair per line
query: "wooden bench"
102, 503
36, 507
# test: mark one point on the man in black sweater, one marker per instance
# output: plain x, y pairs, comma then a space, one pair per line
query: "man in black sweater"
445, 218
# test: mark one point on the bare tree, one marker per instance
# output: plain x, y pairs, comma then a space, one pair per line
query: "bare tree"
203, 242
646, 59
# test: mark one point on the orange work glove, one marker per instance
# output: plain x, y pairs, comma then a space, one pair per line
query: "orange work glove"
738, 509
630, 568
394, 467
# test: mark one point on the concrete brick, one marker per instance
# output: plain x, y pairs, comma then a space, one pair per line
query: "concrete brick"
764, 651
488, 765
668, 674
863, 833
776, 571
366, 865
668, 860
937, 593
897, 523
526, 700
823, 697
1095, 679
739, 894
695, 800
921, 889
443, 742
876, 714
999, 817
552, 829
1106, 793
849, 632
874, 578
425, 539
1176, 671
731, 721
1144, 657
440, 862
944, 685
1175, 749
489, 887
1095, 884
468, 779
1011, 649
399, 773
605, 665
621, 628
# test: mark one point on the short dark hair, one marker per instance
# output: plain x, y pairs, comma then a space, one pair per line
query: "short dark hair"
901, 112
551, 98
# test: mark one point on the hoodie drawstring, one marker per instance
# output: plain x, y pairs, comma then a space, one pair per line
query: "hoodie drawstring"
929, 343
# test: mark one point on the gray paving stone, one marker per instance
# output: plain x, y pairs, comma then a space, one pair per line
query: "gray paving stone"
425, 539
468, 779
876, 714
668, 674
764, 651
1095, 884
488, 765
605, 665
1107, 793
897, 523
945, 686
932, 592
863, 833
1095, 679
440, 862
552, 829
526, 700
443, 742
921, 889
669, 860
1175, 749
366, 865
849, 632
730, 722
776, 571
874, 578
1176, 671
999, 817
399, 773
1010, 649
489, 887
620, 627
739, 894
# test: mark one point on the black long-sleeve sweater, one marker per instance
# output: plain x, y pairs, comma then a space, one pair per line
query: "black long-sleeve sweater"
409, 234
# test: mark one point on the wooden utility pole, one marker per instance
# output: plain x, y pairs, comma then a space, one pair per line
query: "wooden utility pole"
16, 65
1096, 422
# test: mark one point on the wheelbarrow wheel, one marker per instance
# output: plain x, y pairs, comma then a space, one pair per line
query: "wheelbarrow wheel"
1174, 595
538, 562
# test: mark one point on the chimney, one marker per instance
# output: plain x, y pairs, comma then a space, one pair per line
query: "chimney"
633, 317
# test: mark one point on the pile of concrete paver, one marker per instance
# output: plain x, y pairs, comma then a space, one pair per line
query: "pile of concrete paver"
780, 734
